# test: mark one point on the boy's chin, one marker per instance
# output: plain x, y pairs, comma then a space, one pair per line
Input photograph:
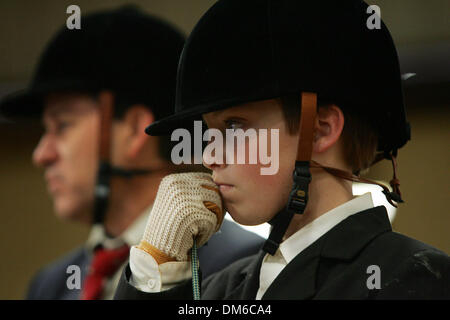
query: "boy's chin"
246, 217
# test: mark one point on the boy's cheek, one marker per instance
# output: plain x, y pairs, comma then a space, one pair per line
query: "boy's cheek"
251, 180
268, 188
260, 196
250, 176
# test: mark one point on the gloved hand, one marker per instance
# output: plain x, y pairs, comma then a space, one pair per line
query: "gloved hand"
187, 206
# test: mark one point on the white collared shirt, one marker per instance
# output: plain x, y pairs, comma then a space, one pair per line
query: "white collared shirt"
303, 238
131, 236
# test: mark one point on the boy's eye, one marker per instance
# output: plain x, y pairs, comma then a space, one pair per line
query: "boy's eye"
233, 124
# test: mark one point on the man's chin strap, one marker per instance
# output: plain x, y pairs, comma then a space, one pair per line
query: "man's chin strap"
106, 171
298, 197
103, 187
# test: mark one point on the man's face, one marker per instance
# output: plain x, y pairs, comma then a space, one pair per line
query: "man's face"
68, 151
249, 197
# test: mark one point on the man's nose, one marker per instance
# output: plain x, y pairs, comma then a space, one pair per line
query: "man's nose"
45, 152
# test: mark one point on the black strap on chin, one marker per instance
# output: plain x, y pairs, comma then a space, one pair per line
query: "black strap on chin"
102, 188
298, 199
106, 171
101, 192
276, 234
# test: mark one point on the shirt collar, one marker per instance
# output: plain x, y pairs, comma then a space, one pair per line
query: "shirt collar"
131, 236
307, 235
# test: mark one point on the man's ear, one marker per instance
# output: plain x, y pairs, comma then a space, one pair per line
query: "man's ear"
327, 128
136, 119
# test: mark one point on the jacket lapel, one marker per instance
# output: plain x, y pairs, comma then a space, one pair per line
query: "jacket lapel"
249, 285
298, 280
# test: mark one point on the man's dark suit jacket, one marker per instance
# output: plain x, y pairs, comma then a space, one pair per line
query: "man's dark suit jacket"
225, 247
336, 266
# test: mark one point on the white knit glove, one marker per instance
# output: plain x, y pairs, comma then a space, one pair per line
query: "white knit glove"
187, 206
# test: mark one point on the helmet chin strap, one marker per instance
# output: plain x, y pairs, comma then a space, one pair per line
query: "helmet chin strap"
298, 197
106, 171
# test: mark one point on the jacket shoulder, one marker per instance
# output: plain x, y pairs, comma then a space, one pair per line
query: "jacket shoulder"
421, 271
50, 281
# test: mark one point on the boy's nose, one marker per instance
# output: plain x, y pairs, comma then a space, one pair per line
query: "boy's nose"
213, 160
45, 152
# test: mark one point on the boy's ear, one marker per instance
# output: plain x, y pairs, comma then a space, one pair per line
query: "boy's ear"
327, 128
135, 120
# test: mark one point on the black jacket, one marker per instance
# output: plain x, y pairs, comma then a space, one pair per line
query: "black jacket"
336, 266
230, 244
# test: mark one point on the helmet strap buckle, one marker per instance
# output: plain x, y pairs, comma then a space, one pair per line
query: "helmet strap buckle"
298, 197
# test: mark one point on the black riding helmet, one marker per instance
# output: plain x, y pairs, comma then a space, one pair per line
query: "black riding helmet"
123, 50
243, 51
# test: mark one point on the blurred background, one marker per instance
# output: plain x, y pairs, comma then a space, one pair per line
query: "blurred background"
32, 236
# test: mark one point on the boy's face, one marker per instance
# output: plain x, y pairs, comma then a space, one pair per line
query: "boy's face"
68, 151
249, 197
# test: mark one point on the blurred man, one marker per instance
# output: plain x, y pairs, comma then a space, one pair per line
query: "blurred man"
96, 89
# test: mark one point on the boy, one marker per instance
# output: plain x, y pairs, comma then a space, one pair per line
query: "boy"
268, 65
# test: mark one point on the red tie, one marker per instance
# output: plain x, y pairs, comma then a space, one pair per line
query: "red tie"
104, 264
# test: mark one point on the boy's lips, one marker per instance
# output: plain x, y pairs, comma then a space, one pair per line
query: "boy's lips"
224, 187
